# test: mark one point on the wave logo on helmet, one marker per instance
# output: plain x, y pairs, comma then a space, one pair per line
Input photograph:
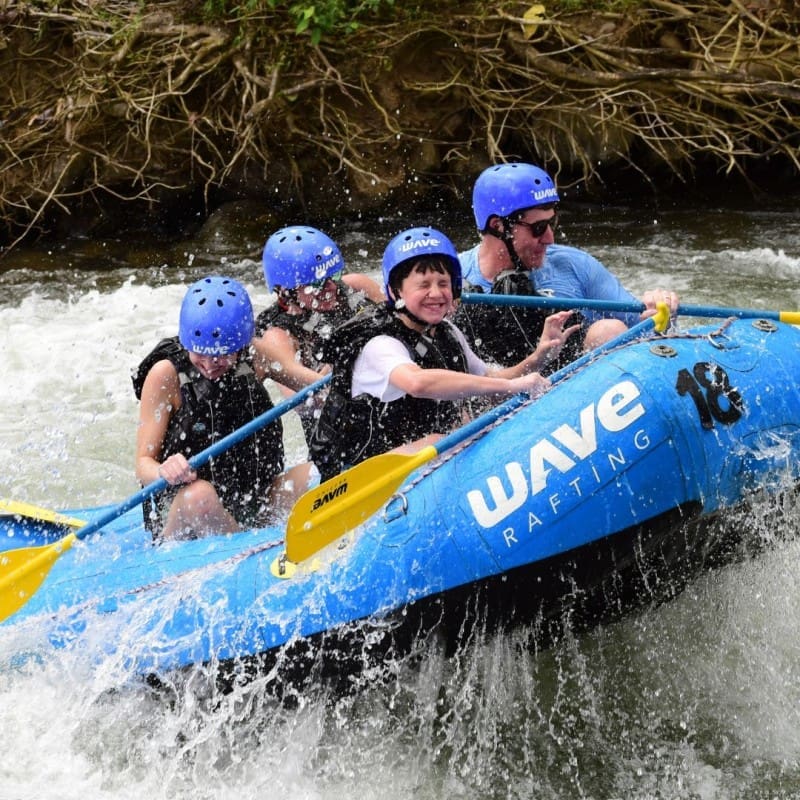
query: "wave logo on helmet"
216, 317
417, 243
546, 194
329, 264
213, 350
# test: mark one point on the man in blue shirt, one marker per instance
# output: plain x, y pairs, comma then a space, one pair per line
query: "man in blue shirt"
516, 211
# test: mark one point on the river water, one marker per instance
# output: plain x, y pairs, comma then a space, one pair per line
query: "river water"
697, 698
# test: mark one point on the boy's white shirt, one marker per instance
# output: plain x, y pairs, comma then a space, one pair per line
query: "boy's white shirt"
382, 354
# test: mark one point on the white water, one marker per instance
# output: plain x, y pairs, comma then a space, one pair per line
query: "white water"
694, 699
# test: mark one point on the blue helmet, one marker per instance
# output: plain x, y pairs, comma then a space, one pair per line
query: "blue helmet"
505, 189
299, 255
216, 317
415, 243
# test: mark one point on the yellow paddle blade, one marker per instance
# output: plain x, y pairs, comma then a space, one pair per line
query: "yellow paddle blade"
21, 509
23, 570
340, 504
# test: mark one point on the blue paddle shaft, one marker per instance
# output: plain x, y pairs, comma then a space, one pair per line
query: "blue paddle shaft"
201, 458
570, 303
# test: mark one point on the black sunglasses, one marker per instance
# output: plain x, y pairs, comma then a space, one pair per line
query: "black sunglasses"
538, 228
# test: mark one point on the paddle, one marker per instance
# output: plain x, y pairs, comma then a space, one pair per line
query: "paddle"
18, 508
340, 504
568, 303
26, 568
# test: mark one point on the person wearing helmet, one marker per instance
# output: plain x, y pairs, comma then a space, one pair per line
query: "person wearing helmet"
516, 212
304, 268
196, 388
401, 374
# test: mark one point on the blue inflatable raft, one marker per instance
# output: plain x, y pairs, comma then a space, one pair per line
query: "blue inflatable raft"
609, 490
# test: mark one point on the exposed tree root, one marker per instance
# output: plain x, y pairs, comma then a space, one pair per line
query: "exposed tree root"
102, 104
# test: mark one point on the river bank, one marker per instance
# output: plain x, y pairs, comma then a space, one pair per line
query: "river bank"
123, 116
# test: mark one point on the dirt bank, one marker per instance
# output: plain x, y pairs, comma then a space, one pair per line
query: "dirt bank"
116, 114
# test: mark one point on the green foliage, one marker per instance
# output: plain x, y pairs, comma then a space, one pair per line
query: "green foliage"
332, 16
316, 19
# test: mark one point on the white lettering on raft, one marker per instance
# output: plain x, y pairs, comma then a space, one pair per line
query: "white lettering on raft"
617, 409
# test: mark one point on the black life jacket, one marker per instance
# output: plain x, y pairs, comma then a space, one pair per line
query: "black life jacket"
505, 335
209, 411
310, 328
351, 429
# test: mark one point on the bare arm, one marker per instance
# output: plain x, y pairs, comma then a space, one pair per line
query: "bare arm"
363, 283
161, 397
276, 357
445, 384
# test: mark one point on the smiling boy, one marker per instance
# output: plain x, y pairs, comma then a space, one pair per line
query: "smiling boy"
401, 374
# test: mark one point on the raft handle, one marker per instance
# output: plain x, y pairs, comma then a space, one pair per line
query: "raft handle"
392, 512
